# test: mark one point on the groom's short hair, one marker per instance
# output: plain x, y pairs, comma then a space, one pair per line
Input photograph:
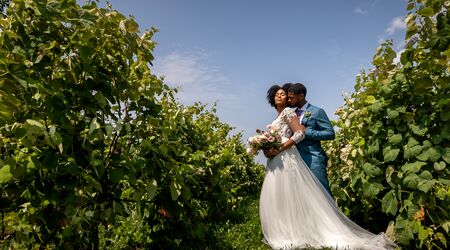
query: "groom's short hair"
297, 88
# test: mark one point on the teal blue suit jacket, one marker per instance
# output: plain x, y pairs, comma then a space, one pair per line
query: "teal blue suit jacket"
318, 128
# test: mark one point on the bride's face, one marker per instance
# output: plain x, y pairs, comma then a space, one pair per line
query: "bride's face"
280, 98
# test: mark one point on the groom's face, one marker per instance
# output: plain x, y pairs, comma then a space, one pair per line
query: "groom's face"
295, 99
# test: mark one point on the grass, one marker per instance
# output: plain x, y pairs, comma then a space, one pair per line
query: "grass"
242, 230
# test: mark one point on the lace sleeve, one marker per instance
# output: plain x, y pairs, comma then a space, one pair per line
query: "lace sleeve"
298, 136
288, 115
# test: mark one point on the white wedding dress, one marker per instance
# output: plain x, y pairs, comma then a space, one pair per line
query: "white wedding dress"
295, 210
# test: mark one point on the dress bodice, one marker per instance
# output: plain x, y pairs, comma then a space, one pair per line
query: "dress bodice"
281, 123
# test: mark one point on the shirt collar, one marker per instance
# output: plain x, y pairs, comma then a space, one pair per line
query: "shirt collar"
304, 106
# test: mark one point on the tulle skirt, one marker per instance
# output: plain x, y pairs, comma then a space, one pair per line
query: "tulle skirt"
297, 212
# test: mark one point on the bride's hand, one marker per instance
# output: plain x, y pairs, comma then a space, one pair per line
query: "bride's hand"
270, 152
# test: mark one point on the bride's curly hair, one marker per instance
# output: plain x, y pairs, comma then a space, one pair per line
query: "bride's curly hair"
273, 91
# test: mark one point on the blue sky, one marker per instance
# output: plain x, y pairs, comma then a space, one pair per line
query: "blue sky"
231, 51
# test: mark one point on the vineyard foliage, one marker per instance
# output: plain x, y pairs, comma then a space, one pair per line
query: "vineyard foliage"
95, 149
393, 142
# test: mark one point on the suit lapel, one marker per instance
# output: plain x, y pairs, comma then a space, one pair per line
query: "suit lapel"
305, 118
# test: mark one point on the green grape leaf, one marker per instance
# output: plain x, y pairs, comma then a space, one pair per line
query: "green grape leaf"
5, 174
413, 167
392, 114
411, 181
390, 154
372, 189
426, 12
371, 170
439, 165
175, 190
395, 139
389, 203
417, 130
446, 155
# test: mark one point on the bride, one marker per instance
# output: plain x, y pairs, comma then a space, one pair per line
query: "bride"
295, 210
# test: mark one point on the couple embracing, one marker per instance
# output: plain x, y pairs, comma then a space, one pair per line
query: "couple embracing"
296, 207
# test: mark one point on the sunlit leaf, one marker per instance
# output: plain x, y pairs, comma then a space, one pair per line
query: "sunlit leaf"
175, 190
426, 12
390, 154
439, 165
413, 167
5, 174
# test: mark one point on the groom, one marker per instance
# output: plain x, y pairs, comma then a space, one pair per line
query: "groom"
318, 128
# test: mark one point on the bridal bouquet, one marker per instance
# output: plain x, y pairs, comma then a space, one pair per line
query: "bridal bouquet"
264, 140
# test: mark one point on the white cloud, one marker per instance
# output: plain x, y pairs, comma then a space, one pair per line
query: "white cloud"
396, 24
195, 74
359, 10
